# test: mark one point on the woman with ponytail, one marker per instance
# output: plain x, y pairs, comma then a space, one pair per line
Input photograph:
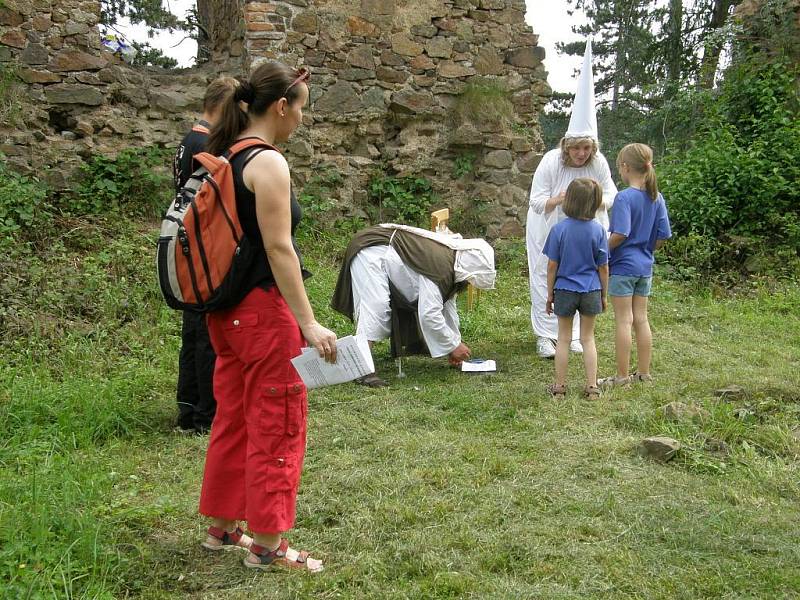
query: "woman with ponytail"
258, 436
639, 226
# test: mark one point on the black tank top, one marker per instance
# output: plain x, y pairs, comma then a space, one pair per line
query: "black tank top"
260, 272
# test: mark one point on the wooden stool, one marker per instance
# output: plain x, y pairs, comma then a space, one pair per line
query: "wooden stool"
439, 219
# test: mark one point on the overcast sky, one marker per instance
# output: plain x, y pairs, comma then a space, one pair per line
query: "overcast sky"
551, 22
548, 18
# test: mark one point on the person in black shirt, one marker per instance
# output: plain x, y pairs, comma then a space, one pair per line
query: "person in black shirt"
196, 404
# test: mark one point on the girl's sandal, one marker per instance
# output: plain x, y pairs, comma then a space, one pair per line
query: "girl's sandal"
592, 392
219, 539
282, 557
607, 383
641, 377
556, 390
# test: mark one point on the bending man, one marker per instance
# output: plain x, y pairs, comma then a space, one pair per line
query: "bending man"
401, 282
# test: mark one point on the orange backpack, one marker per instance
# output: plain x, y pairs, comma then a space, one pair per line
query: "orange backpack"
203, 253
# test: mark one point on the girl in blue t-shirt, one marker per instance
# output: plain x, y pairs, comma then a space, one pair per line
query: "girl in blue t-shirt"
577, 278
639, 226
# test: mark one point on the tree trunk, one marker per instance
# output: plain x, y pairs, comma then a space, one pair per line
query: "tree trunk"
619, 67
713, 48
221, 35
674, 43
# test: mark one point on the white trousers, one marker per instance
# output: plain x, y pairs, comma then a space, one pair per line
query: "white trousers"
544, 325
371, 294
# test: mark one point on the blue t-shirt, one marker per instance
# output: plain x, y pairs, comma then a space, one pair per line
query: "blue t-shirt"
579, 248
642, 222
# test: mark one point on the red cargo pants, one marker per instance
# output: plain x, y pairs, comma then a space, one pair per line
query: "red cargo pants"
258, 437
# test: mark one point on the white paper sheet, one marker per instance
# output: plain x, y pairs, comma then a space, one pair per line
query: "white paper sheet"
478, 366
353, 360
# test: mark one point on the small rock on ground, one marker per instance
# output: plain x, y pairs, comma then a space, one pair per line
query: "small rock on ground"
659, 448
717, 446
675, 411
730, 391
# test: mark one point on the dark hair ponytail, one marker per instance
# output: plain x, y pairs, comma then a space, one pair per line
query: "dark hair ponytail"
268, 83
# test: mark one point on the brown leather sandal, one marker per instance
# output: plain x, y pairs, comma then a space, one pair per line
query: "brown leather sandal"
282, 556
611, 382
592, 392
637, 377
227, 539
556, 390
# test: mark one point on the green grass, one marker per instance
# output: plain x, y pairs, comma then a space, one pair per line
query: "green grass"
442, 486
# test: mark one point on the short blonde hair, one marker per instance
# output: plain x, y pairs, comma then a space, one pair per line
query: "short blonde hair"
566, 143
583, 198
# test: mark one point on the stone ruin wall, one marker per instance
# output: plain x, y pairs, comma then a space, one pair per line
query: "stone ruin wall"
77, 99
386, 94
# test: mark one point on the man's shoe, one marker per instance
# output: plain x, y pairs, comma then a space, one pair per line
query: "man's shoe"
576, 347
371, 380
545, 347
202, 428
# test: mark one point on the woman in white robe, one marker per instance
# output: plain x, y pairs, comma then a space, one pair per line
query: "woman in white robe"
575, 157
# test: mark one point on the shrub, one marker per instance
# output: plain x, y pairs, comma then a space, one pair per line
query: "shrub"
402, 199
469, 220
136, 181
23, 202
463, 164
316, 199
739, 177
11, 94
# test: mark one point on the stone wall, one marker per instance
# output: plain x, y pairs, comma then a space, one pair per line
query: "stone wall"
398, 88
77, 99
388, 88
781, 38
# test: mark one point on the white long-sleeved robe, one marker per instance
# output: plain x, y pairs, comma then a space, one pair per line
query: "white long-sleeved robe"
551, 178
371, 270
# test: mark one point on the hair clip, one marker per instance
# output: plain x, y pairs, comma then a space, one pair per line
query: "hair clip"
303, 74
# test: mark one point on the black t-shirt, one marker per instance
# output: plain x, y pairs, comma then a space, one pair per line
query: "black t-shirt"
260, 273
183, 163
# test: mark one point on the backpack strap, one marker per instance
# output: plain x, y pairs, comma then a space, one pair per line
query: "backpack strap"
253, 154
201, 129
244, 144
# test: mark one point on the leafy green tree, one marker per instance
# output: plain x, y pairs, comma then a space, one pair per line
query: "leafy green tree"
146, 55
653, 59
215, 24
623, 43
153, 13
732, 186
156, 15
646, 50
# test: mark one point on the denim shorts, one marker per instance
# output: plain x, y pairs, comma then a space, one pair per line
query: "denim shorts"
566, 302
629, 285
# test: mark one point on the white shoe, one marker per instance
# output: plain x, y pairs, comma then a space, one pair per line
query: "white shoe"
545, 347
576, 347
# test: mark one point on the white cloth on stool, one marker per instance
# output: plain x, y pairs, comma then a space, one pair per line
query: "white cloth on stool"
371, 270
551, 178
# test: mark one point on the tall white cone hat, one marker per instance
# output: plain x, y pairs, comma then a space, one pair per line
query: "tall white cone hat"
583, 122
